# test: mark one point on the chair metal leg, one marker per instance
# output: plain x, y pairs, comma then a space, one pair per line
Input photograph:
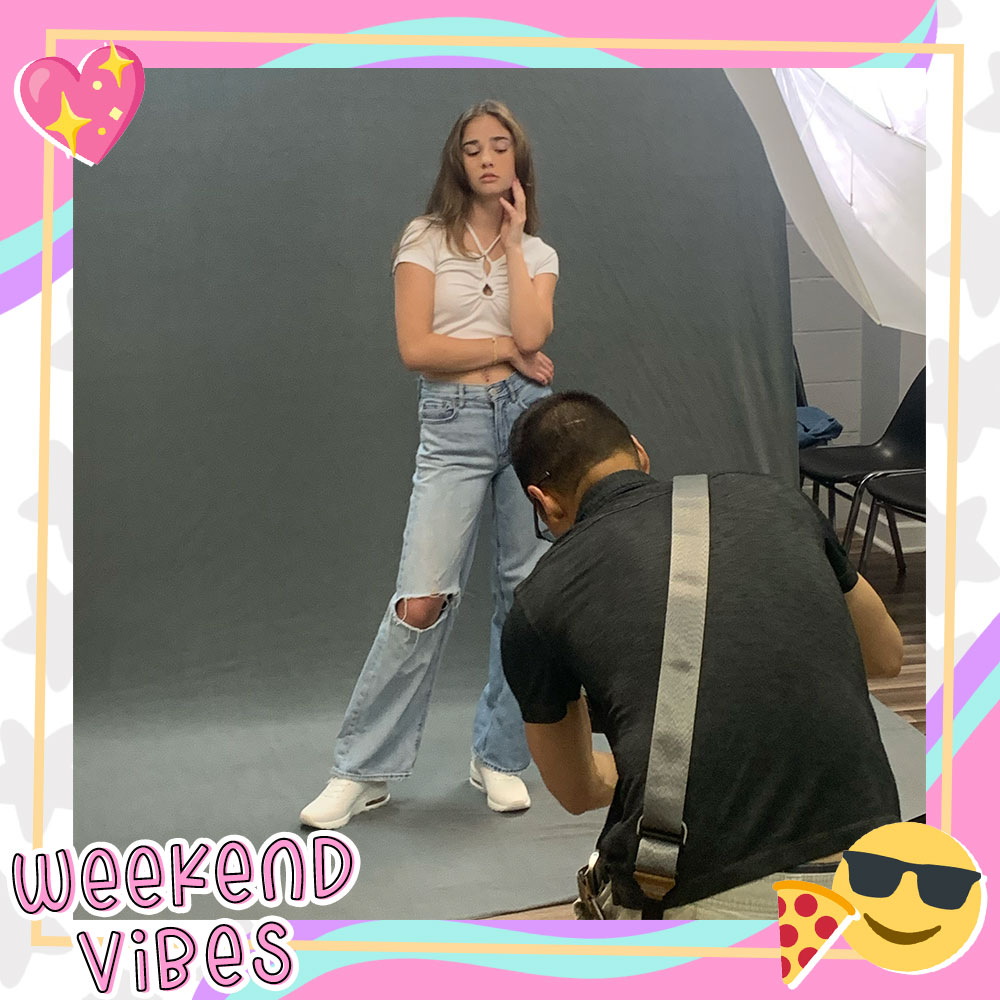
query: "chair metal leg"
852, 519
832, 504
866, 545
896, 545
816, 492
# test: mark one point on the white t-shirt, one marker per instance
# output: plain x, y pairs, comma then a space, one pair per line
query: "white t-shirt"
462, 307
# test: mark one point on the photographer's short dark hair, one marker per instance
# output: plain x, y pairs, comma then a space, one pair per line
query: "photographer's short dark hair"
565, 435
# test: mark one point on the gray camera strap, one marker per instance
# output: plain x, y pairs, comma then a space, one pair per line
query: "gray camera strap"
661, 827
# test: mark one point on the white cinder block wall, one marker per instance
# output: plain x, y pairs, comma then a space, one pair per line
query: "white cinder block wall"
852, 368
826, 329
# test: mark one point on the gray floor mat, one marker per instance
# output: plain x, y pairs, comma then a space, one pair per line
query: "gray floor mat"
210, 745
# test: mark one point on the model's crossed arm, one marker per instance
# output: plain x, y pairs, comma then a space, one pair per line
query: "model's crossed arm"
423, 350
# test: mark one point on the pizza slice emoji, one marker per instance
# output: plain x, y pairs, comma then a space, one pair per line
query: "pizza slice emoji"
810, 918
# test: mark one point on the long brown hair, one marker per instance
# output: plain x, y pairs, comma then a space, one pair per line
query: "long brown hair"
450, 203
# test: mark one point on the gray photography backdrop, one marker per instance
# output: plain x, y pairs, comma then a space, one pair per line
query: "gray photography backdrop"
245, 432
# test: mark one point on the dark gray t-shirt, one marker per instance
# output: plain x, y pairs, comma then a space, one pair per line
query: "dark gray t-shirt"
787, 764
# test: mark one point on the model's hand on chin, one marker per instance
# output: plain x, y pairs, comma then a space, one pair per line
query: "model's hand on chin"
512, 227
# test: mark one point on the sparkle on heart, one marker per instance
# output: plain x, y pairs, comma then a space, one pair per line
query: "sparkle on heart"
82, 111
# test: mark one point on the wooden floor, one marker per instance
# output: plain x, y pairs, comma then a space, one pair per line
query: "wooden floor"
905, 694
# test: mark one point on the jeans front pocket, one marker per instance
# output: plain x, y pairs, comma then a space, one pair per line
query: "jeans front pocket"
531, 392
434, 410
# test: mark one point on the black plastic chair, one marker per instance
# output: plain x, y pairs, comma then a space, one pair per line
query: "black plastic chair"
903, 492
901, 447
800, 386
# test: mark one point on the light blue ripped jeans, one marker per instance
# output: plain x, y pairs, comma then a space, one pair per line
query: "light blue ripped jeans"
462, 462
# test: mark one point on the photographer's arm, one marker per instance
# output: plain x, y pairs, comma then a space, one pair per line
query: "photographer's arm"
881, 643
579, 777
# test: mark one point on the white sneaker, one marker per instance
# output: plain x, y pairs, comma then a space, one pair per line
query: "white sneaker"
341, 799
504, 792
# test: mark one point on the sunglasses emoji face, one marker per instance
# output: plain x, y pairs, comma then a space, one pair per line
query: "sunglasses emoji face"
920, 894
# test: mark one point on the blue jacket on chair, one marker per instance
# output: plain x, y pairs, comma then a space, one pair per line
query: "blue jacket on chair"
815, 426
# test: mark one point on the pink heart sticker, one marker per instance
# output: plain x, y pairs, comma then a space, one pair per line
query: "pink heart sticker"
82, 111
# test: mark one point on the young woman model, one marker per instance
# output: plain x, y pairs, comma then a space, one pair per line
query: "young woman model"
474, 290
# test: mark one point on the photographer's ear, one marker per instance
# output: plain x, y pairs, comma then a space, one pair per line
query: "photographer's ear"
548, 505
641, 452
537, 497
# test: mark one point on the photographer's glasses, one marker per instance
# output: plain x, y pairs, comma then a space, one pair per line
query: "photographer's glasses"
940, 886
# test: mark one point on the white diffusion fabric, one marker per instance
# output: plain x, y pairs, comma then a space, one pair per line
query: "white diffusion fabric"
851, 171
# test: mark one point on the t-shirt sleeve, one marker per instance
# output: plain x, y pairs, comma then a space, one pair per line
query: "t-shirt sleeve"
417, 245
541, 686
546, 261
847, 575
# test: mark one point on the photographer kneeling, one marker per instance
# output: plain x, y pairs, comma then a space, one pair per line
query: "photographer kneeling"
786, 767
